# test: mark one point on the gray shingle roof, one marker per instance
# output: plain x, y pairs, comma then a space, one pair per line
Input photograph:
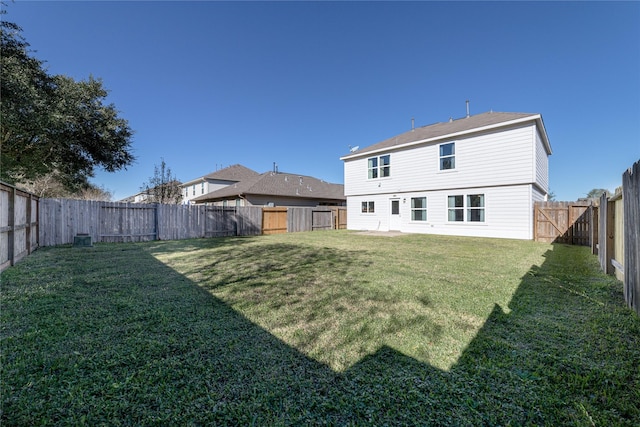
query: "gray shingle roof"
279, 184
444, 129
235, 173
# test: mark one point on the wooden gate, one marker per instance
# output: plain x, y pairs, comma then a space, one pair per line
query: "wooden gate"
274, 220
563, 222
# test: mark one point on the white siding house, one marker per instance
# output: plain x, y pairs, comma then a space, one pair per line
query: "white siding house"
475, 176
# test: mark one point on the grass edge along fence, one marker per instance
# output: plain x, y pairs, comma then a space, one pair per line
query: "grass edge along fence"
610, 225
18, 224
62, 219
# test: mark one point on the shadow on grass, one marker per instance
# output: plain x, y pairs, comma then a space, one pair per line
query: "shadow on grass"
126, 340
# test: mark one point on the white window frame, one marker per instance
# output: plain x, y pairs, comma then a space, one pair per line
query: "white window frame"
419, 209
479, 209
447, 156
379, 167
368, 207
467, 211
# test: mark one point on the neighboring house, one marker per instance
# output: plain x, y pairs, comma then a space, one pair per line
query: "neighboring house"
141, 197
475, 176
215, 181
277, 189
151, 195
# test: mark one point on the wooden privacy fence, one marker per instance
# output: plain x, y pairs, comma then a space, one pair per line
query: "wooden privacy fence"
618, 235
18, 224
563, 222
62, 219
290, 220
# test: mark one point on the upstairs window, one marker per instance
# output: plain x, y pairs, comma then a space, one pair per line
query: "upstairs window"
448, 156
202, 188
373, 168
385, 166
379, 167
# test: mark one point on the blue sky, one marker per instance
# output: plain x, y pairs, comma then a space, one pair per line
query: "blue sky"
205, 85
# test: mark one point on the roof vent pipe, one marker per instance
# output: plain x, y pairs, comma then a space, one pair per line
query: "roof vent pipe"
413, 124
467, 108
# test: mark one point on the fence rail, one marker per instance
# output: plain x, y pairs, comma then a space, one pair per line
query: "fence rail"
62, 219
18, 224
631, 239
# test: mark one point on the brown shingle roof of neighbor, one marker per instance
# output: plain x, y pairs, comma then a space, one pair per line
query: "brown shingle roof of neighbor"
279, 184
235, 173
452, 128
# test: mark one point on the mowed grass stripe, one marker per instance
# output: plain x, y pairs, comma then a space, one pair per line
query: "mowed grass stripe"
331, 328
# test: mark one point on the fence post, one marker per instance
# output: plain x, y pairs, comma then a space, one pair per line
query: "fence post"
155, 220
11, 217
610, 236
631, 239
593, 236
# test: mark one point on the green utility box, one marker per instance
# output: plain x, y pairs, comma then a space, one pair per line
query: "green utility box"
82, 240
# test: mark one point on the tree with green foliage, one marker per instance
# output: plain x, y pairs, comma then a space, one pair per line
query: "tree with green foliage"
596, 193
163, 187
52, 124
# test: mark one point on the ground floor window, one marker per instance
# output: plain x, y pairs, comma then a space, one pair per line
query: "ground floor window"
472, 203
368, 207
456, 208
475, 207
418, 209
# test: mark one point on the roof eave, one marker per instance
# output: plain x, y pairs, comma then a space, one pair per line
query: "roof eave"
535, 117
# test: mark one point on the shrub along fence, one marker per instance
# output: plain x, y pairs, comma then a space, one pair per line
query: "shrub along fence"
63, 219
18, 224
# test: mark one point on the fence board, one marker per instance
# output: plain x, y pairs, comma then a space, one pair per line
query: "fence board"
18, 224
221, 221
631, 203
249, 220
63, 219
321, 219
274, 220
606, 234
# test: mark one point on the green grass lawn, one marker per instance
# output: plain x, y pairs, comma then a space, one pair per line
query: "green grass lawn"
322, 328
